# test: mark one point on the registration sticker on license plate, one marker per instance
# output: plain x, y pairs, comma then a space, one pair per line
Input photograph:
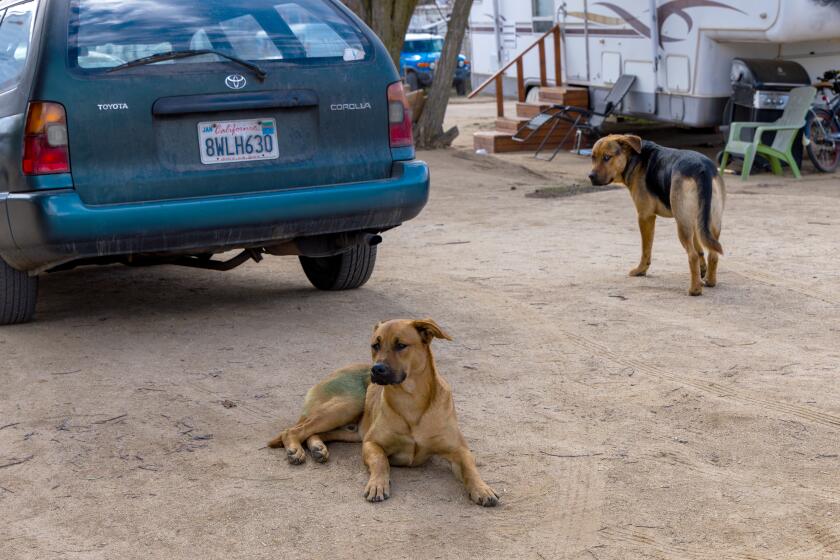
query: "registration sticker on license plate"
233, 141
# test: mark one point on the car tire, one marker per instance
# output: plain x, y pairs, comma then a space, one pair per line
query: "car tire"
413, 81
346, 271
18, 294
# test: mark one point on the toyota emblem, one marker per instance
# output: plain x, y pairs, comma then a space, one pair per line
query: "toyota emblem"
236, 81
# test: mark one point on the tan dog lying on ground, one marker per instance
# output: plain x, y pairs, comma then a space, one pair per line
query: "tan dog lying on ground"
400, 409
678, 184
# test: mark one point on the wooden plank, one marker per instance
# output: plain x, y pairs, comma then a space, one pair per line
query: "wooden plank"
530, 110
558, 74
565, 95
500, 99
520, 79
510, 124
543, 77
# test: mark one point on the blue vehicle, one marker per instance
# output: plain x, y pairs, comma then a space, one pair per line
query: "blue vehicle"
167, 136
419, 57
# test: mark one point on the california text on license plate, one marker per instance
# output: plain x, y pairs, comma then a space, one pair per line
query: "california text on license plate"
231, 141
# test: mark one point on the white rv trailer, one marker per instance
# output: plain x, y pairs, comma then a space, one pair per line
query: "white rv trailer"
679, 50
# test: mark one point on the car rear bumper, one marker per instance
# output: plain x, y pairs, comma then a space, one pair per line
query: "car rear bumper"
425, 78
49, 228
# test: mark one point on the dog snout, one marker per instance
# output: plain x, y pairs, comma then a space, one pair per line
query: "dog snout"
593, 178
380, 372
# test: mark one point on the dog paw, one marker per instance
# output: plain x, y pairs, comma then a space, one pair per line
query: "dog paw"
320, 453
711, 283
695, 291
296, 455
484, 496
377, 491
638, 271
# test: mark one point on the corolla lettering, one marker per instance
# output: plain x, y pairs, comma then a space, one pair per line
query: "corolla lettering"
363, 106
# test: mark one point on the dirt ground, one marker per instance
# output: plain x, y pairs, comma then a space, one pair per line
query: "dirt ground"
617, 417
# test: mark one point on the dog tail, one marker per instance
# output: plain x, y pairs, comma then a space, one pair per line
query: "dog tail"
706, 191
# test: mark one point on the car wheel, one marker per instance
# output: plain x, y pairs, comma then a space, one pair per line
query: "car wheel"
413, 81
18, 293
346, 271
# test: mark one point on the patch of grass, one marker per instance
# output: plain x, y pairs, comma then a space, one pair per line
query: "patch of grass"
573, 189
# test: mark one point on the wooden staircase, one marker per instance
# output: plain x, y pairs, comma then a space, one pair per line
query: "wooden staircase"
500, 140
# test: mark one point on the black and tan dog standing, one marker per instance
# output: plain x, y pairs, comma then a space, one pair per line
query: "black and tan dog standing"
401, 410
678, 184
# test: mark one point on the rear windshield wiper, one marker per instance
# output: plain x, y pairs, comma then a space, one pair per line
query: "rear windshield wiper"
174, 55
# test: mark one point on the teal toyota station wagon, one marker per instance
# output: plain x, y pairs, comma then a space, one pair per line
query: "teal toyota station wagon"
149, 132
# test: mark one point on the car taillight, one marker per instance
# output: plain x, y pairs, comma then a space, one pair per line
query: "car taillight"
399, 117
45, 148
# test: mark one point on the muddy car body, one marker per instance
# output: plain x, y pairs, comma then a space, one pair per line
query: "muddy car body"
143, 132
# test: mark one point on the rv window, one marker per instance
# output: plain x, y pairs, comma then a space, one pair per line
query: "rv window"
543, 18
543, 9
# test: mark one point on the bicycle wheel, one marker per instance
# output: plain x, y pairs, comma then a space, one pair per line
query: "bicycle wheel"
823, 133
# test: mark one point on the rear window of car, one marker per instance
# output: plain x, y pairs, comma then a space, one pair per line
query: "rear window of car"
15, 34
423, 45
108, 33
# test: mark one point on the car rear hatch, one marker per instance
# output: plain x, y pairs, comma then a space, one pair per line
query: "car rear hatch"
204, 125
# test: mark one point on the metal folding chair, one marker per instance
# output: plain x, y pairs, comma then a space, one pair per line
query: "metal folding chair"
582, 119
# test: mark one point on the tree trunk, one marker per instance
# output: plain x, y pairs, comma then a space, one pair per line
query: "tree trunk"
429, 132
389, 19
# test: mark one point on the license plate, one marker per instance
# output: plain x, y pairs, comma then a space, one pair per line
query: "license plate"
233, 141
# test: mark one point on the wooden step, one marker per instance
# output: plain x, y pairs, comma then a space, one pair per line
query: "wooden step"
510, 124
565, 95
530, 110
498, 141
495, 142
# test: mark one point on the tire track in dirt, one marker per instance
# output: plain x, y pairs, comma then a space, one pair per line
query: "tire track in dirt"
716, 389
774, 280
633, 537
828, 539
786, 409
563, 510
829, 544
673, 455
673, 452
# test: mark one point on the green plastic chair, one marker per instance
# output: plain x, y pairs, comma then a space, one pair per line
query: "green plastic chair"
786, 128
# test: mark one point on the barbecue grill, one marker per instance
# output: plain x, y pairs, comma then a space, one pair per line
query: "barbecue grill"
760, 93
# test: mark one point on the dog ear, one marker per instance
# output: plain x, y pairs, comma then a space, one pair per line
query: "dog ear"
428, 330
633, 141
